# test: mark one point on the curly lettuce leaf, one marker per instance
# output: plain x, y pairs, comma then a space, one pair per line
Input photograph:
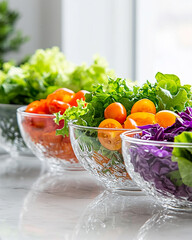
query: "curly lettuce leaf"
183, 156
44, 72
171, 102
73, 113
168, 81
84, 77
171, 94
117, 90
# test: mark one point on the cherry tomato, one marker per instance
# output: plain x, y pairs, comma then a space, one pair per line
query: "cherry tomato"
165, 118
78, 95
56, 106
143, 118
32, 107
43, 108
38, 107
130, 123
144, 105
61, 94
108, 138
116, 111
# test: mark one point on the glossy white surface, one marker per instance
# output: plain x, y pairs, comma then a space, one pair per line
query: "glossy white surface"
37, 205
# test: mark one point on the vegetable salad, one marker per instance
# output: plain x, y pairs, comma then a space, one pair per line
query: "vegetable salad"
143, 104
123, 107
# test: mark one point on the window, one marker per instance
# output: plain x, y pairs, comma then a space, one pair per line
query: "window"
164, 39
137, 37
104, 27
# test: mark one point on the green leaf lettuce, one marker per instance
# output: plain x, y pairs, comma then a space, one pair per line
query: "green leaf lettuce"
183, 156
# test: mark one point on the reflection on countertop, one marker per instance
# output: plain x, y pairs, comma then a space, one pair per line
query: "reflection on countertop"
74, 206
115, 216
55, 203
167, 223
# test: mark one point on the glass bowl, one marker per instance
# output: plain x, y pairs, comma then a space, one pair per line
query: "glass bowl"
106, 165
39, 134
10, 137
149, 163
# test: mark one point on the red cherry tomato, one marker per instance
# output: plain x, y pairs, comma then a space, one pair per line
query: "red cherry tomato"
43, 108
38, 107
116, 111
78, 95
58, 106
61, 94
32, 107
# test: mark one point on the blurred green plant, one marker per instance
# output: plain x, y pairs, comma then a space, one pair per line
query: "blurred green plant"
10, 38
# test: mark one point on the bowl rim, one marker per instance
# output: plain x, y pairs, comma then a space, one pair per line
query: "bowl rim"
21, 110
130, 139
71, 124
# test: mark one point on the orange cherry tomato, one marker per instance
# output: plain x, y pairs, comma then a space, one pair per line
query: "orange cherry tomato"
116, 111
165, 118
110, 123
144, 105
130, 123
143, 118
108, 138
56, 106
61, 94
78, 95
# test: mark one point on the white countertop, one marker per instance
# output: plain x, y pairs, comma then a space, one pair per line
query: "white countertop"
37, 205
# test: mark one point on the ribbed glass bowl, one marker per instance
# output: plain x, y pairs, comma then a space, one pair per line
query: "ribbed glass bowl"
150, 165
10, 137
39, 134
106, 165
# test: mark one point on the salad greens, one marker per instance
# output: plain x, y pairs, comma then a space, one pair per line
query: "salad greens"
167, 94
171, 95
83, 77
73, 113
46, 71
183, 156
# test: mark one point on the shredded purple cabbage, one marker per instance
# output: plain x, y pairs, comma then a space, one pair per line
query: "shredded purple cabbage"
154, 163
